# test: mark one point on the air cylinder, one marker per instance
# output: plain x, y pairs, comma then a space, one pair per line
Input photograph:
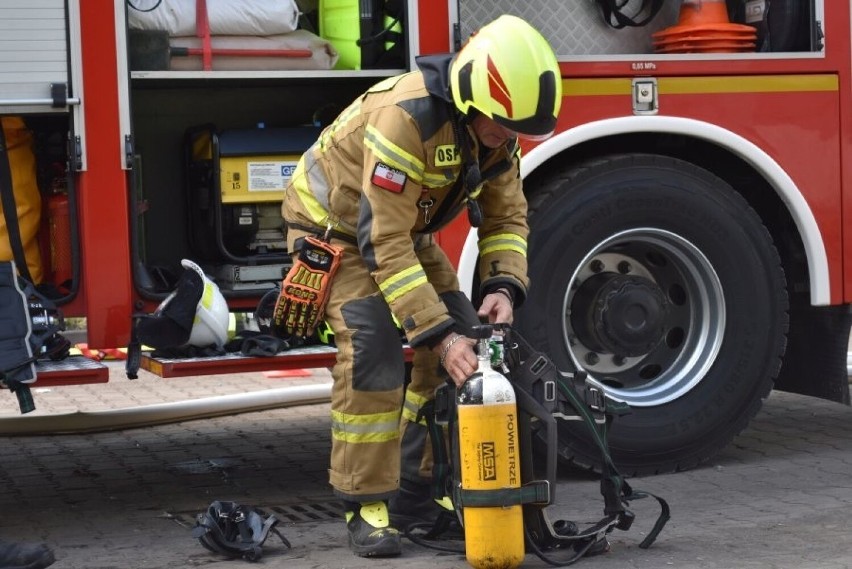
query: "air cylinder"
490, 460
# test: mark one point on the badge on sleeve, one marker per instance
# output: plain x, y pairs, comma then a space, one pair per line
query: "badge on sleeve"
388, 178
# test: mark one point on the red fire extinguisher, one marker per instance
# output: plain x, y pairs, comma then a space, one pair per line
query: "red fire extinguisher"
59, 224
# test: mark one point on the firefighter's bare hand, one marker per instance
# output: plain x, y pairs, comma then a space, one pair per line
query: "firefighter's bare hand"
497, 308
457, 357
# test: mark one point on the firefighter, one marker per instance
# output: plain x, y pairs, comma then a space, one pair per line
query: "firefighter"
402, 161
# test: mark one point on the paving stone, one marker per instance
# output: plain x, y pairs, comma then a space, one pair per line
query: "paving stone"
778, 497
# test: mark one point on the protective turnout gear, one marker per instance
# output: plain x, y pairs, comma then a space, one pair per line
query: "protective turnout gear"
404, 183
508, 72
234, 530
415, 508
370, 534
369, 377
20, 199
400, 163
304, 292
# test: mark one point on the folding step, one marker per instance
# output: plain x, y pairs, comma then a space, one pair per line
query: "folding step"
297, 358
73, 370
311, 357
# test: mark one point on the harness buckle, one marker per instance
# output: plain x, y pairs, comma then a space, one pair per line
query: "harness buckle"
625, 520
596, 399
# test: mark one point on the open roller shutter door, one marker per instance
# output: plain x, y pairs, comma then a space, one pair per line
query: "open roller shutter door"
33, 56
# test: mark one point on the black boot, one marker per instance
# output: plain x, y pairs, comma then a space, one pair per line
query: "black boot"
370, 533
413, 504
25, 555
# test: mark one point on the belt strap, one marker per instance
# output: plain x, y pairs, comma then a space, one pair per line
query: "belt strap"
319, 232
535, 492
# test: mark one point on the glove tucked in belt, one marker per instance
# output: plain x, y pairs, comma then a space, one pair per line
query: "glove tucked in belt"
305, 289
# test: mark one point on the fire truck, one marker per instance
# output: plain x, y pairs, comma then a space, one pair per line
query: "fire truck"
687, 246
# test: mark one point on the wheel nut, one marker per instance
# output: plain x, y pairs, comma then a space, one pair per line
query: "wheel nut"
592, 358
624, 267
596, 266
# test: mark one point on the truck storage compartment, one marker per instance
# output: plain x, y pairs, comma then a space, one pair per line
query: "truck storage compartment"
580, 29
195, 141
368, 34
44, 225
33, 56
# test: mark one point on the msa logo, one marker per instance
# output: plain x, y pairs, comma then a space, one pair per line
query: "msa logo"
488, 461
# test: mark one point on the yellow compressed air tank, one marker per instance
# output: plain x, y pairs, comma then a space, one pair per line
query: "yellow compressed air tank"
490, 460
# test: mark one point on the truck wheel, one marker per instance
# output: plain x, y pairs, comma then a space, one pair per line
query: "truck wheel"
660, 281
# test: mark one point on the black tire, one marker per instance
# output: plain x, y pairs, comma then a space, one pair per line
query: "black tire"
657, 278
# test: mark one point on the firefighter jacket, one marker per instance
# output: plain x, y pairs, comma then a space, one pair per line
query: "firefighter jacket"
391, 168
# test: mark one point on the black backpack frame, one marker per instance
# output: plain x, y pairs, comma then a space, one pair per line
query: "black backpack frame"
542, 393
235, 531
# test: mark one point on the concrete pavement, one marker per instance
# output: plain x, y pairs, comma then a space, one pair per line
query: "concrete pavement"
778, 497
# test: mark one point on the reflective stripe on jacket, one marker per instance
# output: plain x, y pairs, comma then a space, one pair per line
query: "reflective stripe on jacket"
387, 169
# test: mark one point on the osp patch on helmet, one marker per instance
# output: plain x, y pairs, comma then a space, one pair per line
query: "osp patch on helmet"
234, 530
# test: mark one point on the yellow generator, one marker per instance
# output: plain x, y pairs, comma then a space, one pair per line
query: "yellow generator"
235, 181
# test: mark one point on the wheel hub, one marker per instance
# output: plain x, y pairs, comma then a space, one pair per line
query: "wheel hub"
619, 314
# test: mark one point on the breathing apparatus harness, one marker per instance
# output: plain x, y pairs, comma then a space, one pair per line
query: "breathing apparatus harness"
543, 393
235, 530
30, 326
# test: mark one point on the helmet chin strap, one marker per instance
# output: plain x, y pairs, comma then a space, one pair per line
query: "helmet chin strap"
471, 175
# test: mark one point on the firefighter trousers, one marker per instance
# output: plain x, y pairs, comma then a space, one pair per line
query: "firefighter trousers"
376, 437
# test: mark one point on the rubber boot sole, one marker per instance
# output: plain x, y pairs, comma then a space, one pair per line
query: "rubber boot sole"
387, 547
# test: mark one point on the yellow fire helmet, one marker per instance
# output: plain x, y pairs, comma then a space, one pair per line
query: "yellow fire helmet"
508, 72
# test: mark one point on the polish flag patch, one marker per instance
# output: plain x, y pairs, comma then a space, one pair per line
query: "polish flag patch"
388, 178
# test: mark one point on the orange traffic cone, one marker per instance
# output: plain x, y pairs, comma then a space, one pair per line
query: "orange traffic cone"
703, 27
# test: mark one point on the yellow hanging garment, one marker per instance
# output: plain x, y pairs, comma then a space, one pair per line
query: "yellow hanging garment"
22, 163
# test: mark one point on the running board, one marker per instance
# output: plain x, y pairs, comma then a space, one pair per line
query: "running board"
297, 358
311, 357
73, 370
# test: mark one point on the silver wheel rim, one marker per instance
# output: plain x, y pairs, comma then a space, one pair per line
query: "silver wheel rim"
688, 308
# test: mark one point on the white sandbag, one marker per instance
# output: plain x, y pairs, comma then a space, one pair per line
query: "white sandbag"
226, 17
323, 56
